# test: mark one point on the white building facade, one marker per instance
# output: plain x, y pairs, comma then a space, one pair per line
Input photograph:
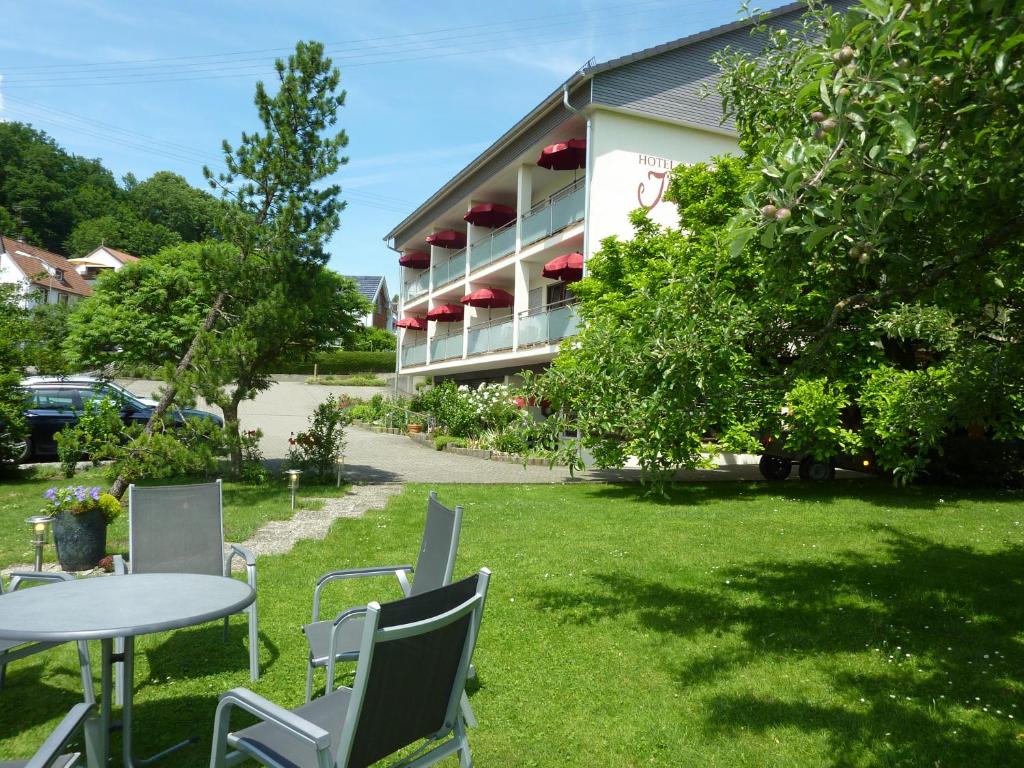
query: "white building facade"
43, 277
631, 120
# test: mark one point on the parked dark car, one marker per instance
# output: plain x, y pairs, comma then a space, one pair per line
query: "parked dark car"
54, 403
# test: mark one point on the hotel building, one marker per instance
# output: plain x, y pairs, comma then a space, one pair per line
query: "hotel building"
489, 259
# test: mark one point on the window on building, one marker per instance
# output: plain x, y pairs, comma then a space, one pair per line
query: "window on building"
62, 298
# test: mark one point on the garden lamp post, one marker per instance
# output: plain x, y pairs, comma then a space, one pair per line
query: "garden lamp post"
339, 462
40, 536
293, 483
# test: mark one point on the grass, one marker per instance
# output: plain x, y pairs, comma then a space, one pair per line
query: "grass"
354, 380
246, 508
730, 625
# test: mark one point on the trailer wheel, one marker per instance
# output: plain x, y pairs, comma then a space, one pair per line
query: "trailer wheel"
816, 471
774, 467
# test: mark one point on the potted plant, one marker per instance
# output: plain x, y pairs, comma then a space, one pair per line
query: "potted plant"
415, 427
80, 518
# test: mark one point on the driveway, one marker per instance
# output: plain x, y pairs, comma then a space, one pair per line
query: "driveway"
372, 457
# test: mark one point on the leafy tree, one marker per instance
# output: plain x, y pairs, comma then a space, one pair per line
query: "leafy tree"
168, 200
44, 336
123, 230
867, 291
373, 340
12, 399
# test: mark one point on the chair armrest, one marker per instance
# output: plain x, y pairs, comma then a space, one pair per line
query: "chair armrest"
61, 735
120, 568
243, 552
399, 571
19, 577
269, 712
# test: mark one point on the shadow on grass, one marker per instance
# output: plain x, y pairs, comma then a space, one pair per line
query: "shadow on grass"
202, 651
27, 702
921, 646
876, 492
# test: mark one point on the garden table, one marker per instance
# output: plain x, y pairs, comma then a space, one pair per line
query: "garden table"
103, 608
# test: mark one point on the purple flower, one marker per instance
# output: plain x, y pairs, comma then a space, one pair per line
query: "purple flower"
51, 494
80, 493
95, 493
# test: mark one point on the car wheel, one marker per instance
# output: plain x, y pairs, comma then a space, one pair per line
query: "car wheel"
774, 467
816, 471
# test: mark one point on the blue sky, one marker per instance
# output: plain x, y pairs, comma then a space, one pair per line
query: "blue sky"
157, 86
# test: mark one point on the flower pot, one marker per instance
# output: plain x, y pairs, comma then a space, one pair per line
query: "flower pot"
81, 540
415, 429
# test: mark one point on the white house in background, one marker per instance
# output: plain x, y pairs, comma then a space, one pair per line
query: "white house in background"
44, 277
519, 222
374, 289
100, 260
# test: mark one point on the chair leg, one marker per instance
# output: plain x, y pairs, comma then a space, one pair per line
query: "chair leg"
254, 643
467, 711
118, 672
309, 680
86, 669
465, 757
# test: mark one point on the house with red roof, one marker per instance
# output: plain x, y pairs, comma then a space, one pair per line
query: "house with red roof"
44, 277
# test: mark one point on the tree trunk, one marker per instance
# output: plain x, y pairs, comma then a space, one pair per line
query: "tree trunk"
230, 410
121, 483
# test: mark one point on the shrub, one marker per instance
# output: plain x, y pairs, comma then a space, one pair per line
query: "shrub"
343, 361
450, 407
317, 449
253, 470
97, 435
511, 441
355, 380
440, 441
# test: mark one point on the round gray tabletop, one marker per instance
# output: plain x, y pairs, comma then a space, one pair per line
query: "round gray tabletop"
119, 606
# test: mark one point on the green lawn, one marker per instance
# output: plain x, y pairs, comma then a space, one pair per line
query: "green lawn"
731, 625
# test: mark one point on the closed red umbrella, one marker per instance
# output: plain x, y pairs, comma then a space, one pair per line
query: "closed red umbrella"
568, 267
489, 297
415, 259
447, 313
564, 156
412, 323
447, 238
490, 215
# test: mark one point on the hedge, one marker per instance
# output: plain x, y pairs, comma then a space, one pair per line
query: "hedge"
342, 361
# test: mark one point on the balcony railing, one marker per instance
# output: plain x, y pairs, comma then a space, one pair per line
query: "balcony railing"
493, 336
499, 243
563, 208
445, 347
547, 324
415, 354
417, 287
451, 270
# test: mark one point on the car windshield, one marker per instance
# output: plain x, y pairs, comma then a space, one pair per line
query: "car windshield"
121, 396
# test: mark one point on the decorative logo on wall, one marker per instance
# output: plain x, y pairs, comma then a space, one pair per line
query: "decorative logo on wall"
650, 198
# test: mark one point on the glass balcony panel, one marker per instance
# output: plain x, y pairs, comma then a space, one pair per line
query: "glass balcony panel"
491, 337
563, 208
450, 270
567, 210
417, 287
536, 225
415, 354
532, 329
562, 322
446, 347
548, 325
494, 246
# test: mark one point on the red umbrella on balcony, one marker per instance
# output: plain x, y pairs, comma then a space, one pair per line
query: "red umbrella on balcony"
568, 267
412, 323
447, 238
564, 156
415, 259
489, 297
447, 313
490, 215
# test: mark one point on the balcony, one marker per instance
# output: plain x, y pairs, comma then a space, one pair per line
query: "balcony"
493, 336
417, 287
494, 246
445, 347
563, 208
415, 354
451, 270
547, 324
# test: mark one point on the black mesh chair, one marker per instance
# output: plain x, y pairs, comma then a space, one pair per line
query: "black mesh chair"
180, 529
51, 754
15, 649
410, 676
332, 640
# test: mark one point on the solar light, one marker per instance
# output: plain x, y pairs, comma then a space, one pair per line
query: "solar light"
40, 536
339, 462
293, 483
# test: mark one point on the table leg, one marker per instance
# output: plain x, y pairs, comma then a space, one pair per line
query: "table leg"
128, 683
97, 729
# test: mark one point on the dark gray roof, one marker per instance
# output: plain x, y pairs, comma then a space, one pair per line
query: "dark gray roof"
664, 80
368, 285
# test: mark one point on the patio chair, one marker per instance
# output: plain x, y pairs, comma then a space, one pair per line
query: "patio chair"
180, 529
50, 755
11, 650
411, 671
331, 641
